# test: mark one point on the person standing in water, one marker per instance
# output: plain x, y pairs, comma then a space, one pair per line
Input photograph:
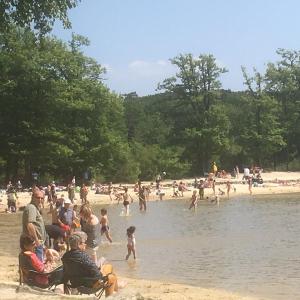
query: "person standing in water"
91, 226
142, 200
250, 185
214, 186
126, 197
131, 242
228, 186
104, 224
194, 200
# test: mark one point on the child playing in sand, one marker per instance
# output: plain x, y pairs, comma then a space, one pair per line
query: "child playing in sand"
194, 200
130, 242
104, 224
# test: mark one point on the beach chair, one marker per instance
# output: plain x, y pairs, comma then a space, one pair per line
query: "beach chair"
29, 276
84, 289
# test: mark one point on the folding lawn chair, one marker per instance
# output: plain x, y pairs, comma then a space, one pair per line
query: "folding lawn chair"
29, 276
84, 286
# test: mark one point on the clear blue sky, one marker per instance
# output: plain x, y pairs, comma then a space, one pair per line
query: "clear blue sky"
135, 39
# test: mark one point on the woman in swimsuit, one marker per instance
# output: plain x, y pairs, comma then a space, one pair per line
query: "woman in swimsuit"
91, 226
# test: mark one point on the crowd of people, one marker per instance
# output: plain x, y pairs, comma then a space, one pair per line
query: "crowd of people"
68, 247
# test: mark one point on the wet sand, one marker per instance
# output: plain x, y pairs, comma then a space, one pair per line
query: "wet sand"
275, 183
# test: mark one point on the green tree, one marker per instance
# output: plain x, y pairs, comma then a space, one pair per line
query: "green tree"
261, 134
56, 116
283, 83
40, 14
196, 91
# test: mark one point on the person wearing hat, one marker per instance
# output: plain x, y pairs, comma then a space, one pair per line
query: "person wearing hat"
66, 215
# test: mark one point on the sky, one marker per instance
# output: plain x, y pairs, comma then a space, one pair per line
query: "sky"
135, 39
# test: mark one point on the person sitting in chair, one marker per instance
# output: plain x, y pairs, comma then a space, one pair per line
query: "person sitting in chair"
81, 271
34, 272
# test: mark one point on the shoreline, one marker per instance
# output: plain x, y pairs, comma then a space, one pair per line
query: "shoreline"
136, 289
274, 183
139, 288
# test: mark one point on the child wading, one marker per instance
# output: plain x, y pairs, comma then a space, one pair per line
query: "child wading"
130, 242
194, 200
104, 224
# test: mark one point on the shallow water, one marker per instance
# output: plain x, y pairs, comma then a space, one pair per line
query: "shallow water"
247, 245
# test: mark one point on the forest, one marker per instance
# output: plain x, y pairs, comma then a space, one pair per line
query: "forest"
59, 119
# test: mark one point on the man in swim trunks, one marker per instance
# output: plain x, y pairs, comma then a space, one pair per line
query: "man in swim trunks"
126, 197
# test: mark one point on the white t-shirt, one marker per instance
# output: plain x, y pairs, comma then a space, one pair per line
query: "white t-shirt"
246, 172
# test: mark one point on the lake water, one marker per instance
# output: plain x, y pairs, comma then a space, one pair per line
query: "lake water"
247, 245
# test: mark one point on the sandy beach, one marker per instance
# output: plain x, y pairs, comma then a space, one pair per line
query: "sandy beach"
274, 183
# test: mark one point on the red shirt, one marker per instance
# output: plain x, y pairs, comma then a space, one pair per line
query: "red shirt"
38, 266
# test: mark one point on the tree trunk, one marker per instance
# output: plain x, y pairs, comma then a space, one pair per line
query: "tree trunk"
274, 163
287, 157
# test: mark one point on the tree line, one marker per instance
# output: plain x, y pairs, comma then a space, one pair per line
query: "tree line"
203, 122
58, 118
